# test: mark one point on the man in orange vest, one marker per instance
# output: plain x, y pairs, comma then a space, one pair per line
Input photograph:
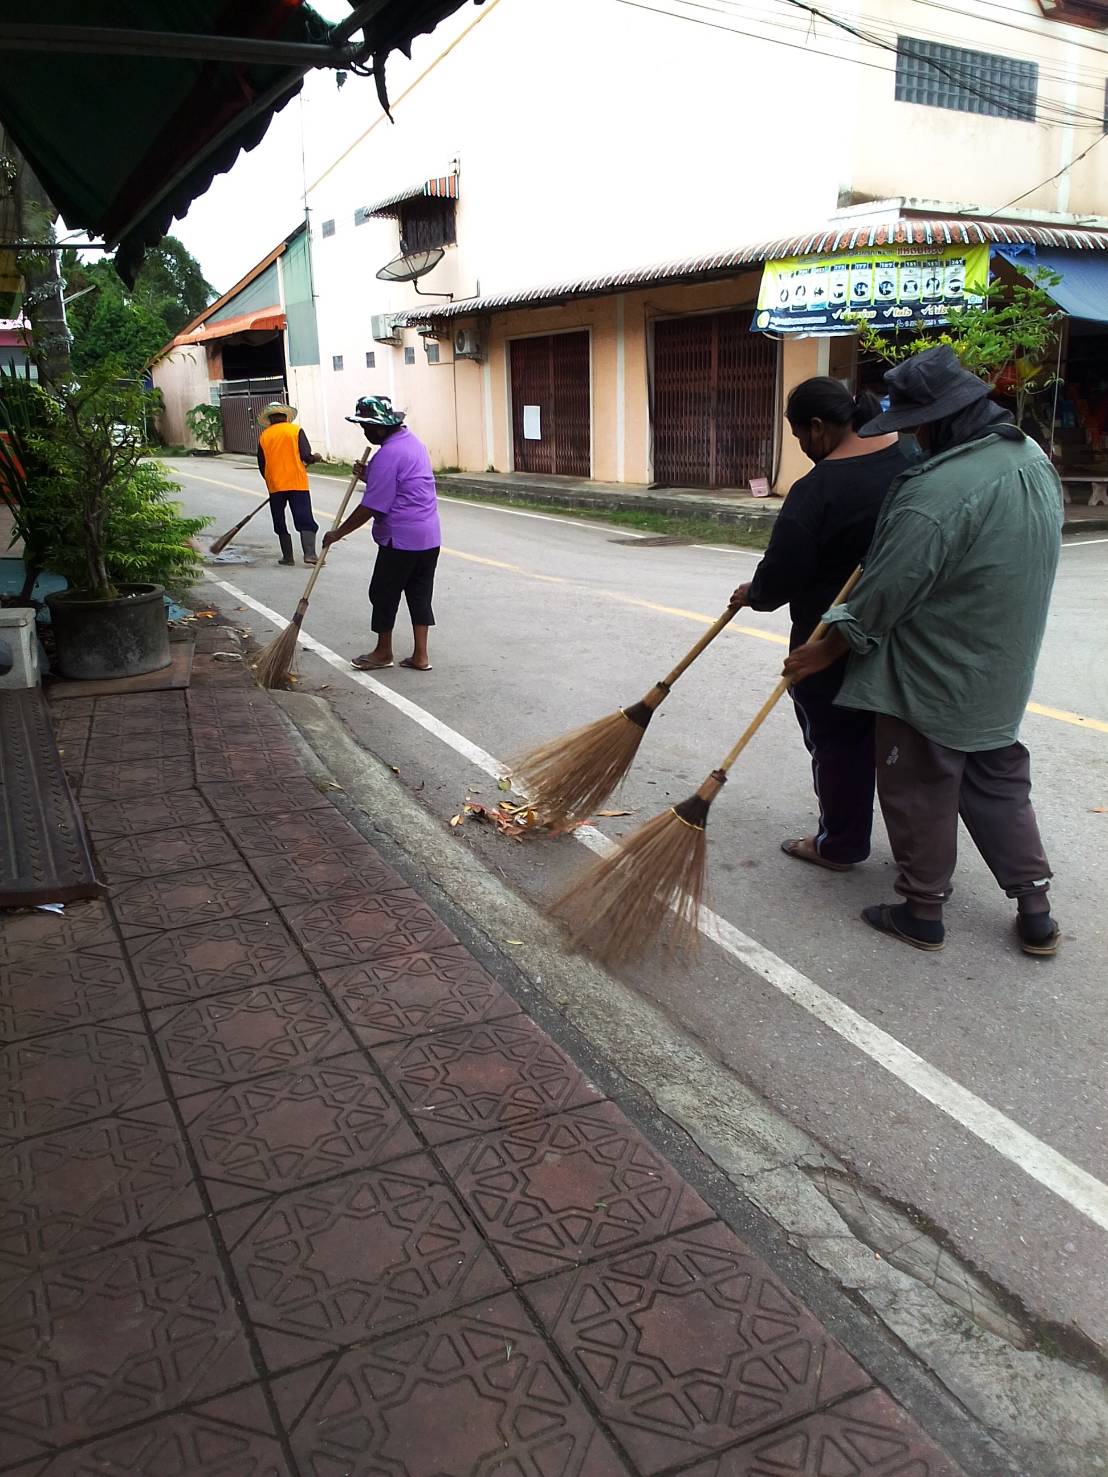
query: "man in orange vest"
284, 456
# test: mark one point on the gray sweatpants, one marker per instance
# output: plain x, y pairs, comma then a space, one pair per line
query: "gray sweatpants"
924, 787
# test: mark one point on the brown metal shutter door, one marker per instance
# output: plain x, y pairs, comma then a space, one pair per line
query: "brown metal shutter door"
552, 372
744, 401
240, 421
714, 384
683, 401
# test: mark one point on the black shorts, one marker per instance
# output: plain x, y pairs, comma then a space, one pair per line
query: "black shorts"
407, 572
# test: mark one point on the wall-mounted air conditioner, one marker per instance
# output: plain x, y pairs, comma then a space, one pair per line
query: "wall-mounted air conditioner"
468, 345
385, 329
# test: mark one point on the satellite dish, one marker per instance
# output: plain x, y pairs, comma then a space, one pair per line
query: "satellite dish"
411, 265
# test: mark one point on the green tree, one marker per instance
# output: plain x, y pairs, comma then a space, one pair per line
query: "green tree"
128, 326
1011, 341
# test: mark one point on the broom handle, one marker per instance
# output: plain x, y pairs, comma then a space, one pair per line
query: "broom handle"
706, 640
786, 682
307, 595
227, 537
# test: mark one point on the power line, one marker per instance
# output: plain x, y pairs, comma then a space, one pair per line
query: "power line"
1046, 111
1057, 175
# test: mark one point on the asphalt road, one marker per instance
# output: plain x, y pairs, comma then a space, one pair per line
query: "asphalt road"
969, 1085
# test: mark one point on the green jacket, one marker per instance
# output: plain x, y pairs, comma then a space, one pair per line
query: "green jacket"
946, 622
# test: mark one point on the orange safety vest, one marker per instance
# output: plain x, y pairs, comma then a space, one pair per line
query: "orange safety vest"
284, 468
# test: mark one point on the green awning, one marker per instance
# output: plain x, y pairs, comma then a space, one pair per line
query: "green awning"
127, 109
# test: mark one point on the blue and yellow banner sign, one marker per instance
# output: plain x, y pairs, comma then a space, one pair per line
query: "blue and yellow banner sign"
886, 286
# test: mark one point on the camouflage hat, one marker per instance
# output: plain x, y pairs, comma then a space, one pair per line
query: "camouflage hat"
376, 410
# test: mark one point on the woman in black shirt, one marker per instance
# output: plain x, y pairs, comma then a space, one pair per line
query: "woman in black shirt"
821, 534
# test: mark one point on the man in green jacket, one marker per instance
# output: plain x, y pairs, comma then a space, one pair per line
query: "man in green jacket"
944, 631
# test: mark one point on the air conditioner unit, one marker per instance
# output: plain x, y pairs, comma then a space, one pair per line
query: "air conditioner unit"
384, 329
429, 330
467, 344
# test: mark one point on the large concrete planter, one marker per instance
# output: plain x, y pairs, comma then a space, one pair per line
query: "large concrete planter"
124, 637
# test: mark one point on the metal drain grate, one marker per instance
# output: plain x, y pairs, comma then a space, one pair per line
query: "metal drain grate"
662, 541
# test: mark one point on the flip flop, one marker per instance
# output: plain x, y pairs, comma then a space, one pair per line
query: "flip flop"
1039, 948
407, 662
881, 918
799, 849
360, 664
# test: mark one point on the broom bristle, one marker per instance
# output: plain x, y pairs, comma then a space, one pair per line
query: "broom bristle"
219, 544
272, 665
645, 896
572, 775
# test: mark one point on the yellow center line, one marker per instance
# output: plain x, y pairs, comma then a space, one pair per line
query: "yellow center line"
1059, 715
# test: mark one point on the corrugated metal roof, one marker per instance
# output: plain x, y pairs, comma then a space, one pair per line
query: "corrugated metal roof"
442, 187
825, 242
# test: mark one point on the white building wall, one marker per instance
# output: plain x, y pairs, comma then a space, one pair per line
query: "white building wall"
182, 377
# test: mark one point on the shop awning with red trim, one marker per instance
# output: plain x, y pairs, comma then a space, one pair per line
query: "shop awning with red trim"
441, 187
265, 320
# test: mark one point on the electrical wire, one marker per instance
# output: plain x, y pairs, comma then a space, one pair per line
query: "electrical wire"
1050, 180
1046, 110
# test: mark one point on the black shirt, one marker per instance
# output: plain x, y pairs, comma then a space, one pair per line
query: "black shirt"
822, 534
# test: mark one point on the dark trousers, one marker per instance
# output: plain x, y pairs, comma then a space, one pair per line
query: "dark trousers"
924, 787
840, 741
299, 505
407, 572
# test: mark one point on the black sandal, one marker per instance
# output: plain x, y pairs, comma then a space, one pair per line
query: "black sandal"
927, 934
1043, 948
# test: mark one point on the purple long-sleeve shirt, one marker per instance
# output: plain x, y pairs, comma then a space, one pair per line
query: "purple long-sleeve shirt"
400, 490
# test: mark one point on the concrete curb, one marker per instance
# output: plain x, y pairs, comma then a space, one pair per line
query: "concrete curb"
1029, 1412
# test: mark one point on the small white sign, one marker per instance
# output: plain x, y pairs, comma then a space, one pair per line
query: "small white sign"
532, 423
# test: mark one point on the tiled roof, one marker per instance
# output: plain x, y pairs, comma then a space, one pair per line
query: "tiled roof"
824, 242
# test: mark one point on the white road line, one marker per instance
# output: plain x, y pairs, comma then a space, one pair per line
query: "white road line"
1036, 1159
1081, 543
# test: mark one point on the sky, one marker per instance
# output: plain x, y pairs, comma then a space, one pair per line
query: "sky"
247, 211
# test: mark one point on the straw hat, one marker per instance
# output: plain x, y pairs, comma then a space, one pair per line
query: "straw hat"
276, 408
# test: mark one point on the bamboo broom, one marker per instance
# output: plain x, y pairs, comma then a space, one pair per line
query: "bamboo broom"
225, 538
569, 777
272, 665
648, 892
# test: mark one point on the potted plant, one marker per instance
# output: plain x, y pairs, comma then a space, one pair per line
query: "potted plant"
205, 422
102, 517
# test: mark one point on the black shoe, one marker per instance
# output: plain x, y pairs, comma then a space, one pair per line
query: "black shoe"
1038, 933
307, 543
898, 921
285, 541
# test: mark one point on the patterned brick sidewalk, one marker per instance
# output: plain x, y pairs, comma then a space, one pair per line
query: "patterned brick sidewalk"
290, 1185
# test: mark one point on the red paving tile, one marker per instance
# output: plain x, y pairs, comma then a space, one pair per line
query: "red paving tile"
568, 1189
193, 1444
165, 853
157, 743
374, 1278
87, 1187
211, 957
51, 992
416, 993
344, 1262
267, 1028
34, 934
110, 818
866, 1436
137, 777
492, 1075
349, 875
202, 896
691, 1345
341, 931
291, 1128
298, 835
52, 1082
117, 1336
274, 797
471, 1393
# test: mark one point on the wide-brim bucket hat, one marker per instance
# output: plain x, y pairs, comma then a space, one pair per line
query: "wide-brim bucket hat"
276, 408
376, 410
928, 387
